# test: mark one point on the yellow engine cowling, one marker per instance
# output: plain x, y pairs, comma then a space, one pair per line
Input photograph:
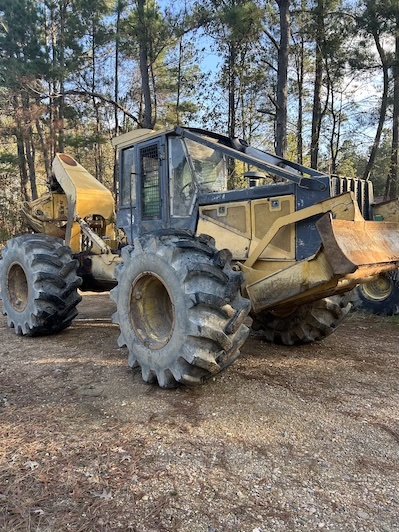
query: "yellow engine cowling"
88, 200
85, 205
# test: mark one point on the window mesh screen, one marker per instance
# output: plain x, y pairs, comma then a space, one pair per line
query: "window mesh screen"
150, 182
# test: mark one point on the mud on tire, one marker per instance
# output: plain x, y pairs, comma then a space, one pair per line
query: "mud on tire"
38, 285
308, 323
179, 308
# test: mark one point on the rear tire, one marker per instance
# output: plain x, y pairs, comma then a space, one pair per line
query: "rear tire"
179, 308
38, 284
380, 296
308, 323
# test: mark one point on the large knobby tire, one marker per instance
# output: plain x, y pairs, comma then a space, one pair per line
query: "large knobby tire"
308, 323
179, 308
380, 296
38, 284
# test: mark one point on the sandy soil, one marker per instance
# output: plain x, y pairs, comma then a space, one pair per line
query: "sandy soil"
287, 439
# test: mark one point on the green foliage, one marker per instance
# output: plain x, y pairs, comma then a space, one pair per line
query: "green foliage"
212, 64
236, 30
10, 200
154, 29
8, 163
382, 164
21, 43
85, 140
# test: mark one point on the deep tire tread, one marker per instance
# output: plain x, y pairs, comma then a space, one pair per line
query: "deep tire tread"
50, 278
308, 323
46, 259
51, 275
214, 316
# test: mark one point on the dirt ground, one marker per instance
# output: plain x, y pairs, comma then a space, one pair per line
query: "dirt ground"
287, 439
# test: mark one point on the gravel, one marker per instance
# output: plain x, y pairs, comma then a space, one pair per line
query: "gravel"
288, 438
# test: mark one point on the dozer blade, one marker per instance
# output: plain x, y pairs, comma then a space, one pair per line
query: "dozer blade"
352, 252
359, 247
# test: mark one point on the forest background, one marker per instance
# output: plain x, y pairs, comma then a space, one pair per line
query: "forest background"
316, 81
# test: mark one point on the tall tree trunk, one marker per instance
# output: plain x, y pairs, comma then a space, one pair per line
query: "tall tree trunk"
383, 108
282, 78
317, 112
29, 144
23, 172
231, 125
245, 111
61, 99
335, 139
44, 147
299, 123
179, 80
146, 119
97, 144
391, 190
232, 91
300, 73
30, 157
154, 95
53, 86
119, 8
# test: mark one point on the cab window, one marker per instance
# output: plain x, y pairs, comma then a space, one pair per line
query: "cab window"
128, 178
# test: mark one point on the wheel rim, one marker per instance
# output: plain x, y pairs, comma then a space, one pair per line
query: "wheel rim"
152, 312
379, 289
17, 287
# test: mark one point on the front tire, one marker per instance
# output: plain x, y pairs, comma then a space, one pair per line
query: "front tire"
38, 285
308, 323
179, 309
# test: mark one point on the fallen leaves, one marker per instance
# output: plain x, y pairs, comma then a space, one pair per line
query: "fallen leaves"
105, 495
30, 464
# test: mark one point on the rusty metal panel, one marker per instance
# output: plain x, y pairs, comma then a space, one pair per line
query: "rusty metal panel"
388, 210
294, 281
351, 252
350, 245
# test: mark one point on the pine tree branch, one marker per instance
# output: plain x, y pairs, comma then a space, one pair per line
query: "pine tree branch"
273, 40
89, 94
101, 97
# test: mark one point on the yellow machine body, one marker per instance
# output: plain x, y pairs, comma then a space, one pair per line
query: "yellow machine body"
260, 232
388, 210
88, 199
261, 236
47, 214
84, 201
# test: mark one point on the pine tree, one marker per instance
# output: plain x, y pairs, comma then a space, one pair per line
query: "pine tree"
22, 64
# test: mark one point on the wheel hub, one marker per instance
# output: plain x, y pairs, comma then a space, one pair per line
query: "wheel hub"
18, 289
152, 312
379, 289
